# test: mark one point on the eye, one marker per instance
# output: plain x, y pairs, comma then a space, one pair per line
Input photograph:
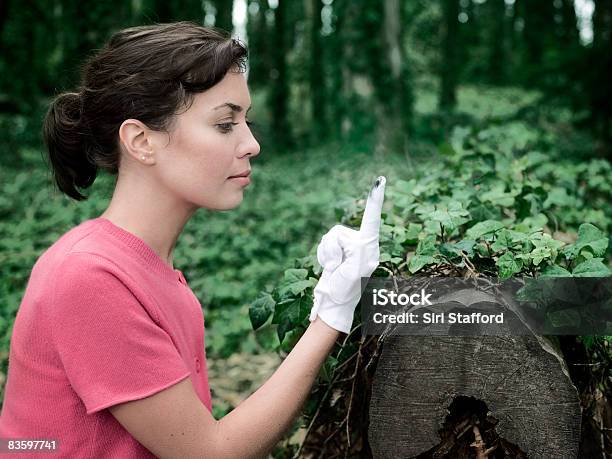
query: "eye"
226, 127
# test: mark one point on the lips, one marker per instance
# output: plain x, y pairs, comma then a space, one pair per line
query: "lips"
242, 174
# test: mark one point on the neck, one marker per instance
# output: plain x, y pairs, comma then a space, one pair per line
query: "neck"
156, 218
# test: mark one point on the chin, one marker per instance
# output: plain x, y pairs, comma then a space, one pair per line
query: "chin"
226, 204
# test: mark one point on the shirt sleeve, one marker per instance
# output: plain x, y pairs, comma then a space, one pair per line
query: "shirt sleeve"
110, 346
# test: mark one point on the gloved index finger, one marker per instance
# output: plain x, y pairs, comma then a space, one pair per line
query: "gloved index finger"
370, 224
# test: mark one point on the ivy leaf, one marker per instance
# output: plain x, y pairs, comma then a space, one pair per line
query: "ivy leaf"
451, 217
540, 253
454, 250
412, 233
294, 283
508, 265
482, 228
503, 241
424, 255
532, 223
499, 197
294, 288
426, 246
290, 313
545, 247
589, 237
555, 271
564, 318
558, 197
419, 261
540, 239
294, 275
261, 309
591, 268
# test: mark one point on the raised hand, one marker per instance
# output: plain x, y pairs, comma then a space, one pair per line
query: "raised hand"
346, 256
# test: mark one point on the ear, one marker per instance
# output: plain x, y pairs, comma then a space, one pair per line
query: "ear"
136, 139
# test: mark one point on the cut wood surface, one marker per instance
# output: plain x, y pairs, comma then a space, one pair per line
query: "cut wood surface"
521, 379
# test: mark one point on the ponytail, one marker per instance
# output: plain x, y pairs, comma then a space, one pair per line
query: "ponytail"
67, 145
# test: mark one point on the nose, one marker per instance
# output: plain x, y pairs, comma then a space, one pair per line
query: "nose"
250, 146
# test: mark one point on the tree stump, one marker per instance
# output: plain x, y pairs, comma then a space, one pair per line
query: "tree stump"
520, 385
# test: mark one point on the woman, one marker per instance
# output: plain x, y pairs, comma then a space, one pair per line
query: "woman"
107, 353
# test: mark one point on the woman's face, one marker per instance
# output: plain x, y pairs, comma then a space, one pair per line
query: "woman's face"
207, 144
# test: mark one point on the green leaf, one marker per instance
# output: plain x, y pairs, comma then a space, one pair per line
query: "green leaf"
508, 265
545, 240
427, 246
291, 313
294, 275
555, 271
425, 251
564, 318
589, 237
412, 233
540, 253
499, 197
452, 250
419, 261
558, 197
532, 223
482, 228
591, 268
261, 309
503, 241
294, 288
451, 217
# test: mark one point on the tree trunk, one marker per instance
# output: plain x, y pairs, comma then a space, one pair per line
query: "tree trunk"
448, 86
223, 18
394, 93
317, 80
497, 53
524, 386
538, 35
601, 65
429, 392
569, 25
280, 86
258, 34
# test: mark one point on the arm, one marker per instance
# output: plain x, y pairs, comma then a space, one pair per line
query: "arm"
175, 423
277, 402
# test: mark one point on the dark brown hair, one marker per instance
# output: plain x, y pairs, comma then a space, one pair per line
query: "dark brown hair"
147, 73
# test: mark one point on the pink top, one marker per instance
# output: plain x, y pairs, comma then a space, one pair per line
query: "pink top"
103, 320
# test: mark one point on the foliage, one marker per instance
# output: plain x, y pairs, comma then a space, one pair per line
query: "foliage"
495, 201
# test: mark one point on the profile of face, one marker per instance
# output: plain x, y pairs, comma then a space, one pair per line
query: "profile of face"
206, 144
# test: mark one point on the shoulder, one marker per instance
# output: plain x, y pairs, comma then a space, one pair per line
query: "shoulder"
81, 274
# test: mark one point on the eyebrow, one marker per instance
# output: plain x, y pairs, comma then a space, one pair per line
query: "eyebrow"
233, 107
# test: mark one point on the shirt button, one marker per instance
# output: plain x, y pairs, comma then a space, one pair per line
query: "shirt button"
197, 365
181, 278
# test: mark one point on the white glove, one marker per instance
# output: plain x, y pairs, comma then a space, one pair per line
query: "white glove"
346, 256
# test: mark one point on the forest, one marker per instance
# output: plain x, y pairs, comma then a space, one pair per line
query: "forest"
491, 120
